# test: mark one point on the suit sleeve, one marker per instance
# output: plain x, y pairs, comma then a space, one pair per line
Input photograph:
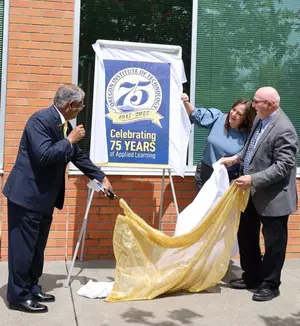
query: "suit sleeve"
85, 165
40, 143
284, 160
241, 154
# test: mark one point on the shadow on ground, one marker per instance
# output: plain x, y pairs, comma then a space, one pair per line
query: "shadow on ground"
94, 264
277, 321
232, 273
49, 282
177, 317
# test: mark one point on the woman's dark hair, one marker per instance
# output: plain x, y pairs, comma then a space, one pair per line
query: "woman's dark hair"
250, 114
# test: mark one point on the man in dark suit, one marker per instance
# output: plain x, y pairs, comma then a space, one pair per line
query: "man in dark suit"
35, 186
269, 163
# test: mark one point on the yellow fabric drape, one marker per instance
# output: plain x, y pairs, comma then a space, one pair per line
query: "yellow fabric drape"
150, 263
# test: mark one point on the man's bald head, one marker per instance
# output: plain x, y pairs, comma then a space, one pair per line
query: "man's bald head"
268, 93
266, 101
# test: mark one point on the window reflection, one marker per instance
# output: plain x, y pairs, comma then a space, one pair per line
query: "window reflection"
147, 21
243, 45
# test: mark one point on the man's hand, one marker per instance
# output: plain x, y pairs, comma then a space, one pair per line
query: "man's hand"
76, 134
106, 185
229, 161
244, 181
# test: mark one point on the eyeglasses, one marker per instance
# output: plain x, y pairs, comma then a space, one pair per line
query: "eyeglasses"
78, 105
259, 101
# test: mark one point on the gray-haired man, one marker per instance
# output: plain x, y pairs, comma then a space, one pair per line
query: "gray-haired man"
35, 186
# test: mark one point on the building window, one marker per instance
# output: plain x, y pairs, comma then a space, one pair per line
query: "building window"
242, 45
146, 21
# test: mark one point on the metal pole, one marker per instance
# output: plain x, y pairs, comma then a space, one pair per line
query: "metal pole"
173, 192
80, 236
84, 232
162, 190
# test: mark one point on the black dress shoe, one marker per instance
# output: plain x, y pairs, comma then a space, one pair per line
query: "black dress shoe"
43, 297
265, 294
31, 306
240, 283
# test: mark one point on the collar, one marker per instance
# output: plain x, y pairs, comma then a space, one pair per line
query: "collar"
62, 118
269, 118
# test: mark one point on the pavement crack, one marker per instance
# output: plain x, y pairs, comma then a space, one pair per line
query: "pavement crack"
72, 297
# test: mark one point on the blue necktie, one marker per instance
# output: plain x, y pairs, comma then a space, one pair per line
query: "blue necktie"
251, 147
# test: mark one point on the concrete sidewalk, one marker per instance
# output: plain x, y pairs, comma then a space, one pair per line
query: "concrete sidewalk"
218, 306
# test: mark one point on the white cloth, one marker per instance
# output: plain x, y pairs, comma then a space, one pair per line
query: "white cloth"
180, 125
208, 196
95, 290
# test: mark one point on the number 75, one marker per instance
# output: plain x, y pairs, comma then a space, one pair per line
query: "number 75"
116, 145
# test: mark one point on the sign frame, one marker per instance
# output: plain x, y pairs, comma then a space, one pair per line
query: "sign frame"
174, 50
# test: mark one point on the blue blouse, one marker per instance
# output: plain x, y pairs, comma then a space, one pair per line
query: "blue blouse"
219, 142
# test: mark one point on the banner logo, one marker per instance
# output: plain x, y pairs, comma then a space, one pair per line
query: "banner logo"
134, 94
137, 105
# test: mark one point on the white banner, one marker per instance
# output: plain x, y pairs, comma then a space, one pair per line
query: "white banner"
138, 118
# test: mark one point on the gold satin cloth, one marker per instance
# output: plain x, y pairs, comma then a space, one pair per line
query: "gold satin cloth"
150, 263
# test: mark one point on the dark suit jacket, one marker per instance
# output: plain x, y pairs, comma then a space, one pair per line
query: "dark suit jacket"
37, 180
273, 167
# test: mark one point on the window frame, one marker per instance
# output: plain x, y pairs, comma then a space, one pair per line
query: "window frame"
190, 167
3, 81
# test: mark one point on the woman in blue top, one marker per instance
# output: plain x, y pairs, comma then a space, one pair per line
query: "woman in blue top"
227, 135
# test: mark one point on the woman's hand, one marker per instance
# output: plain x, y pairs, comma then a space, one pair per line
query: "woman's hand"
229, 161
187, 105
184, 97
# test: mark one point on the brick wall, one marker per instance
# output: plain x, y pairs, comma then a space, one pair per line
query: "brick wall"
293, 248
40, 58
143, 196
1, 208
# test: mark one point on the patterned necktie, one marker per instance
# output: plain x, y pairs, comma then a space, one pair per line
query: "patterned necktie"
65, 128
251, 147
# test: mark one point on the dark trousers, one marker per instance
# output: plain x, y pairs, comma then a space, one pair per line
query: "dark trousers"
266, 270
27, 237
204, 172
